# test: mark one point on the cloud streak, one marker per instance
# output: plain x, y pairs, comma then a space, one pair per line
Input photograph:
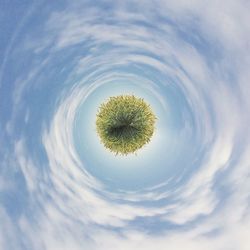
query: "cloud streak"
189, 189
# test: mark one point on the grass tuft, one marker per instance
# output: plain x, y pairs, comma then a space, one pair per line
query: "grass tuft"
125, 124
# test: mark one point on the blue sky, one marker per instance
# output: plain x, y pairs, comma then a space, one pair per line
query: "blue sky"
188, 188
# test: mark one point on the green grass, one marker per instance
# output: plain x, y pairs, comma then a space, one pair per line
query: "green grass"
125, 124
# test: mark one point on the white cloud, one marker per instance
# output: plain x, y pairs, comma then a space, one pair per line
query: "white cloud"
26, 165
70, 214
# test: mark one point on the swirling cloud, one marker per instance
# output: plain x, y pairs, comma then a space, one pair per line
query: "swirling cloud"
188, 188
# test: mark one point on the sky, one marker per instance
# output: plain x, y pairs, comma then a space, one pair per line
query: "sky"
189, 188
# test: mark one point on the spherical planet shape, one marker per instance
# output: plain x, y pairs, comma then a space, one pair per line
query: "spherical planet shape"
125, 123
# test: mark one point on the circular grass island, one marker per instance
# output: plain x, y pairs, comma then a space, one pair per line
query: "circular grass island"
125, 124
